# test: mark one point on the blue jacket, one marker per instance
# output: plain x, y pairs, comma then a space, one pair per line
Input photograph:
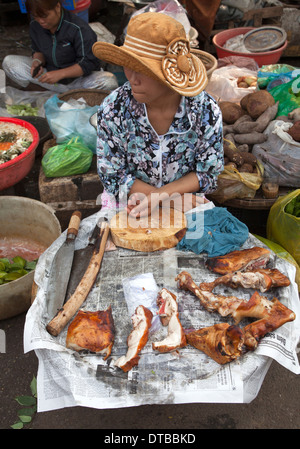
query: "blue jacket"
70, 44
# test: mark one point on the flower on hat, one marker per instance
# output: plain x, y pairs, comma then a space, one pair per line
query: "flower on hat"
177, 64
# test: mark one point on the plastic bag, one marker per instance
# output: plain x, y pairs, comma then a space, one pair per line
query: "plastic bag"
172, 8
270, 76
71, 119
284, 228
283, 254
223, 83
13, 96
288, 95
280, 154
233, 184
66, 159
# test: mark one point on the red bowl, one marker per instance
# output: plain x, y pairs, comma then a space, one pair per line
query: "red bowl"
13, 171
262, 58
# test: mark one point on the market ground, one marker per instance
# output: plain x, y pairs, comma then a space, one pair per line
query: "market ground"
275, 407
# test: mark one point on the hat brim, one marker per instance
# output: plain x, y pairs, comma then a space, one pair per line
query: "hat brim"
121, 56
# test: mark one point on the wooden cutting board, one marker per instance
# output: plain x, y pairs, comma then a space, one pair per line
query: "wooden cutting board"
162, 230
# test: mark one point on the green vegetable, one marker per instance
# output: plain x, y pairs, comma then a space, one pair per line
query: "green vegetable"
22, 109
8, 136
12, 270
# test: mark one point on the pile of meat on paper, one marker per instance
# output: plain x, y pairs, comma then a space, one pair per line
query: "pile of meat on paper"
223, 342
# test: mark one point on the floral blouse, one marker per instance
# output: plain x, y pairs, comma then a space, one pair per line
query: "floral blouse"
128, 148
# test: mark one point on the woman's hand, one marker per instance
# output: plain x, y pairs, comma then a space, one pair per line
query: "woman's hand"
145, 198
141, 205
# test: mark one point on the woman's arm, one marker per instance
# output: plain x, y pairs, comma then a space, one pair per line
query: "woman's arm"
143, 198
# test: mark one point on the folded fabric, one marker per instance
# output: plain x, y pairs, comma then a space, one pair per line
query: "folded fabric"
215, 232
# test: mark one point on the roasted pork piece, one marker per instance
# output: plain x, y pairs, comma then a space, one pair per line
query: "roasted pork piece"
93, 331
279, 315
270, 315
257, 307
137, 339
262, 280
222, 342
168, 312
240, 260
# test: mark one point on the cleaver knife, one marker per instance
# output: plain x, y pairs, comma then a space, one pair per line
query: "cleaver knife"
81, 261
61, 268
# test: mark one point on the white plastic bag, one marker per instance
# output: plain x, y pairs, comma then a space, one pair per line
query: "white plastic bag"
280, 154
172, 8
223, 83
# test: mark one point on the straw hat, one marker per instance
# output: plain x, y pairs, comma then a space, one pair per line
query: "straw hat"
156, 45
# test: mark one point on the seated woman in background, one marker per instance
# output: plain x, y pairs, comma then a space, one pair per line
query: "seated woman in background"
160, 134
62, 57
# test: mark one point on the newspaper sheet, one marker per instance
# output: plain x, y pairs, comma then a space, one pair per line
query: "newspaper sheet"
126, 279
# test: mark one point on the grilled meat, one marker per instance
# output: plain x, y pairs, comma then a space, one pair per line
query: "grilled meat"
240, 260
93, 331
168, 312
262, 280
257, 307
222, 342
279, 315
137, 339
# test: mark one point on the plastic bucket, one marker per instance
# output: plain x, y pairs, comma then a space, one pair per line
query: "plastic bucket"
13, 171
33, 221
262, 58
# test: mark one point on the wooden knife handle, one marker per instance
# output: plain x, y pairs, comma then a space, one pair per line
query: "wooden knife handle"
71, 307
74, 223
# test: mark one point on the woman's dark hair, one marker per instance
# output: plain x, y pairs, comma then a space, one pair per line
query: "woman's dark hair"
39, 8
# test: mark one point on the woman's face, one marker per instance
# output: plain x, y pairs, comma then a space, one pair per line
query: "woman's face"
144, 89
50, 19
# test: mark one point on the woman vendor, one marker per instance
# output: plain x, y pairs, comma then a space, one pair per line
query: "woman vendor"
160, 134
62, 57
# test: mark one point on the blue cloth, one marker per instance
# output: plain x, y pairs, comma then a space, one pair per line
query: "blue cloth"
215, 232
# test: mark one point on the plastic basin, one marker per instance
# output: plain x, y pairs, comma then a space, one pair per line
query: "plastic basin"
13, 171
33, 221
262, 58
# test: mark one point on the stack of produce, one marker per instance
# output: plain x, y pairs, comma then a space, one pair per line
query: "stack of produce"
243, 127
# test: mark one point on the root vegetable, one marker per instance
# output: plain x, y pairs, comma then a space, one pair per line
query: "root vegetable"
227, 129
250, 138
230, 111
266, 117
246, 168
243, 85
233, 155
244, 101
294, 131
294, 115
249, 158
243, 148
258, 102
231, 165
244, 127
229, 138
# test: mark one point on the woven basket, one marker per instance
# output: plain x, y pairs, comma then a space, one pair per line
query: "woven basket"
207, 59
93, 97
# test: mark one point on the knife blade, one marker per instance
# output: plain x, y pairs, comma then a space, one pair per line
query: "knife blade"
81, 260
65, 314
61, 268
